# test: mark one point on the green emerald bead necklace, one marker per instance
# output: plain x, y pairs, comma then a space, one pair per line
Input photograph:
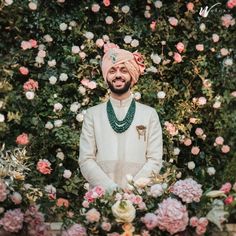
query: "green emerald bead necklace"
120, 126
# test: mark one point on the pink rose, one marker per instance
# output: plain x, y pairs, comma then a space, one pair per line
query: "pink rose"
224, 51
22, 139
192, 120
203, 221
84, 82
200, 230
180, 47
92, 85
227, 20
106, 3
153, 25
187, 142
85, 204
92, 215
225, 148
199, 131
177, 57
44, 166
25, 45
233, 94
140, 61
193, 221
201, 101
195, 150
172, 130
30, 85
99, 190
226, 187
95, 8
173, 21
23, 70
99, 43
229, 200
219, 140
231, 4
16, 198
190, 6
200, 47
33, 43
106, 226
109, 46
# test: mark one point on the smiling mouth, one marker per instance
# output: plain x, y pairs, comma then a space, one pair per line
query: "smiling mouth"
118, 82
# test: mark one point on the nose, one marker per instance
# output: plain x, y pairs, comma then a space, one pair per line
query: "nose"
118, 74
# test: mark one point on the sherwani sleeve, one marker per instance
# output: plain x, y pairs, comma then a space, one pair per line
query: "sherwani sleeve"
154, 148
91, 171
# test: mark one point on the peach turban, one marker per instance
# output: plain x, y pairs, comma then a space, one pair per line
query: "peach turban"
114, 56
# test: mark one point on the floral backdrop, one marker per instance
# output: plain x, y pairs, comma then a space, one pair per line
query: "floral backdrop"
50, 53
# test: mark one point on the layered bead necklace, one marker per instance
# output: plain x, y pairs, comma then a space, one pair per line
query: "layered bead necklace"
120, 126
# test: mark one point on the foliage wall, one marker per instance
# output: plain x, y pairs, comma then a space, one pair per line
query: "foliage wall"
50, 74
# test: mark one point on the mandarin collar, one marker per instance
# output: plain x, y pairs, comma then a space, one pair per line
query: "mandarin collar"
121, 103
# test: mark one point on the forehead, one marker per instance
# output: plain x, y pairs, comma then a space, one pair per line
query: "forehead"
118, 66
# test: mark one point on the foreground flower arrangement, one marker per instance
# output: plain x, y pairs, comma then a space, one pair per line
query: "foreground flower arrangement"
161, 205
157, 206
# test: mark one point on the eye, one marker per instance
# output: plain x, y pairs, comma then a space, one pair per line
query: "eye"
112, 71
124, 70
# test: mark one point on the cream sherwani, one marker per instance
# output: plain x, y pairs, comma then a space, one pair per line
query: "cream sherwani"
106, 157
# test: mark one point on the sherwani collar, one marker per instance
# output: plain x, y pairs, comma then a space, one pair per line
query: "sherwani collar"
121, 103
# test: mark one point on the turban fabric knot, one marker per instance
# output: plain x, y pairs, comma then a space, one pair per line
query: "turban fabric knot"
114, 55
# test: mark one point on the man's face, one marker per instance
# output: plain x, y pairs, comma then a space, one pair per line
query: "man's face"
119, 79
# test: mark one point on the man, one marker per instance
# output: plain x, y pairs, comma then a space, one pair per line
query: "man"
121, 136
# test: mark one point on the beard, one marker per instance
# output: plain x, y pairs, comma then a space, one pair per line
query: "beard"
119, 91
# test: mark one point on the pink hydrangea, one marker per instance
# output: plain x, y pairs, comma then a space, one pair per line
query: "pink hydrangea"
75, 230
35, 222
12, 220
227, 20
150, 220
188, 190
3, 191
172, 216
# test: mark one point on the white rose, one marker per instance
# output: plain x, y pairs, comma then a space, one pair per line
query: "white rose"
8, 2
30, 95
217, 105
211, 170
89, 35
105, 38
75, 106
161, 94
202, 27
32, 6
63, 77
228, 62
63, 26
41, 47
41, 53
156, 190
82, 89
123, 211
191, 165
57, 107
58, 123
109, 20
67, 174
158, 4
129, 178
80, 117
52, 63
47, 38
2, 117
50, 189
134, 43
49, 125
1, 210
82, 55
156, 58
176, 151
75, 49
52, 80
16, 198
142, 182
137, 95
60, 155
125, 9
152, 69
127, 39
39, 60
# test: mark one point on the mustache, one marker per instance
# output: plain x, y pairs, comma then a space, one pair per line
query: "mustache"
118, 78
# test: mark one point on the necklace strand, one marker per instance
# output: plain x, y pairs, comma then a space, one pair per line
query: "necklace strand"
120, 126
